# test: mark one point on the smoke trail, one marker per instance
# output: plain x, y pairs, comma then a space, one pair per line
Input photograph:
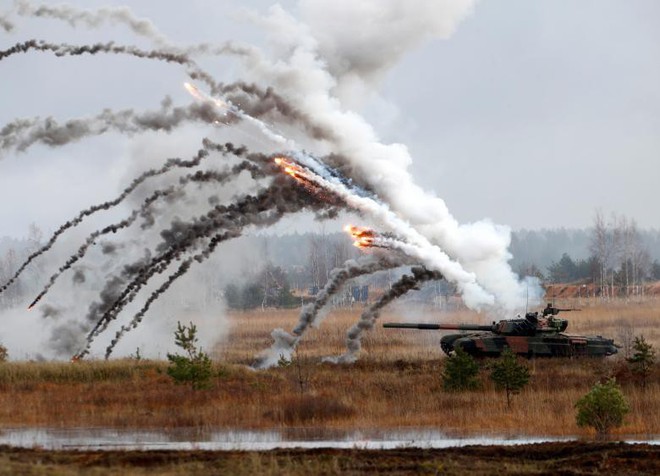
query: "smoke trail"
227, 148
144, 211
93, 19
21, 134
267, 101
182, 270
275, 201
369, 316
64, 49
180, 238
284, 343
123, 15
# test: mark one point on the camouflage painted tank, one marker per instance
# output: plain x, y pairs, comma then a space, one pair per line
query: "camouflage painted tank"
537, 335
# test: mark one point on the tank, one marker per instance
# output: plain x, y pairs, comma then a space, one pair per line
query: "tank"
538, 334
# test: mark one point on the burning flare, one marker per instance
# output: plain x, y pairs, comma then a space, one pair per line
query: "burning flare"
362, 237
291, 168
200, 96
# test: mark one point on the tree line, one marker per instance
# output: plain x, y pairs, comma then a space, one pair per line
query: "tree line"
614, 254
619, 259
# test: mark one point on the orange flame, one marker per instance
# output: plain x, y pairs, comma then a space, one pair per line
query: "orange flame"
362, 237
291, 168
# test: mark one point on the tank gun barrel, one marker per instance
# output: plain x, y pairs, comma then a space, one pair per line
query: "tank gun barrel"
425, 326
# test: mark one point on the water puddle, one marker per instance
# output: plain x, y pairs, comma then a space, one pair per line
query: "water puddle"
258, 440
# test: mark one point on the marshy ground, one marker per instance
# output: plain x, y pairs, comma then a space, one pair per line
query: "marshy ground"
395, 384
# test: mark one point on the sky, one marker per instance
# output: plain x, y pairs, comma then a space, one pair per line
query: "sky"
531, 114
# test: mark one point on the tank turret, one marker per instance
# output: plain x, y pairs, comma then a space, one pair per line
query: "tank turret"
538, 334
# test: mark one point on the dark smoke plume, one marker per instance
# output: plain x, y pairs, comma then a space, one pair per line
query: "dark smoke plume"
146, 212
264, 209
182, 270
140, 26
268, 102
21, 134
371, 314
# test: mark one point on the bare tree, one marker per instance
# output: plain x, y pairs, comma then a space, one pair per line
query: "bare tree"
600, 249
316, 262
13, 294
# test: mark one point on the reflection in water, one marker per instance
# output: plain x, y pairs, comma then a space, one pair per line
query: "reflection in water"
191, 439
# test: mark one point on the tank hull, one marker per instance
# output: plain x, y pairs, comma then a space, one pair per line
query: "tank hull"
553, 345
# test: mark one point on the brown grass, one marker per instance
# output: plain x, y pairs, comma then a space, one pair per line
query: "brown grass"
395, 384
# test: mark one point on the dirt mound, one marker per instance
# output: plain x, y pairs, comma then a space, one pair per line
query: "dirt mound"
577, 290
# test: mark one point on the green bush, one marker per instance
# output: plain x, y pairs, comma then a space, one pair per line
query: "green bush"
603, 408
461, 372
195, 367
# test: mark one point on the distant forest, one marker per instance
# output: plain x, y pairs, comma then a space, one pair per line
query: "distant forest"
614, 254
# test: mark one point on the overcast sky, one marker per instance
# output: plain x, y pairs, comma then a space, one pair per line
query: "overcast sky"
534, 113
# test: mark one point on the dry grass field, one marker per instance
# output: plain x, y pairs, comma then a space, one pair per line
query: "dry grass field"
396, 382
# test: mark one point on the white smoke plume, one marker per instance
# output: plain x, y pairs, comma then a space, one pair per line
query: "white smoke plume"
361, 40
300, 73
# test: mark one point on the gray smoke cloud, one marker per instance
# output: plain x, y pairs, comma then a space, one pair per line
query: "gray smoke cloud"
6, 25
370, 315
284, 343
365, 51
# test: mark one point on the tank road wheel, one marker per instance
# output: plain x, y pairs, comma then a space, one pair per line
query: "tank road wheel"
446, 348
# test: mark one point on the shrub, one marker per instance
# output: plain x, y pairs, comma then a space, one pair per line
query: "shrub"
509, 375
195, 367
642, 360
603, 408
461, 372
4, 353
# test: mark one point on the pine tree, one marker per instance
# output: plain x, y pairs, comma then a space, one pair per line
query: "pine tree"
195, 367
603, 408
461, 372
642, 360
509, 375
